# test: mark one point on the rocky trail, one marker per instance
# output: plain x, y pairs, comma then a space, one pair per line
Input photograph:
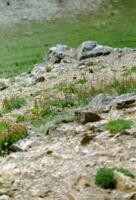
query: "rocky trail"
61, 163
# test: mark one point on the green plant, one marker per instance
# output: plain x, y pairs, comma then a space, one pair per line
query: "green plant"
105, 178
118, 125
48, 69
63, 103
20, 118
124, 171
126, 85
81, 81
130, 71
10, 133
12, 103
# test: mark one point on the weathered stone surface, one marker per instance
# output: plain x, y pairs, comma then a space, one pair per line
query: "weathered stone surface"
58, 53
131, 196
104, 102
22, 145
92, 49
4, 197
125, 183
3, 85
83, 116
101, 103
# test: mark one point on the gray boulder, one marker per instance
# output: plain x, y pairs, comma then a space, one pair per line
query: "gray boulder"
104, 102
58, 53
91, 49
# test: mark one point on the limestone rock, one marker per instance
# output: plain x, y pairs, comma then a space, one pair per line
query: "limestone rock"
104, 102
22, 145
91, 49
131, 196
101, 103
58, 53
4, 197
125, 183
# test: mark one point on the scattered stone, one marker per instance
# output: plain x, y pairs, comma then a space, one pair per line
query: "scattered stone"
86, 139
22, 145
83, 116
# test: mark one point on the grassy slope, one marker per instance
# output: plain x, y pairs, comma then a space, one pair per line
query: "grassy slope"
24, 45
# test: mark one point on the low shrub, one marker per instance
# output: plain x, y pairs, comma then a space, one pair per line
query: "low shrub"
105, 178
10, 132
124, 171
20, 118
118, 125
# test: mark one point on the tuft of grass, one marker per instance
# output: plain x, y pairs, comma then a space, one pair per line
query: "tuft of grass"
126, 85
81, 81
124, 171
63, 103
20, 118
12, 103
118, 125
130, 71
105, 178
10, 133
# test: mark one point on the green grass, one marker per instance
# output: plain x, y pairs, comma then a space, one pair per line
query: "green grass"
12, 103
10, 133
130, 71
105, 177
124, 171
20, 50
21, 118
118, 125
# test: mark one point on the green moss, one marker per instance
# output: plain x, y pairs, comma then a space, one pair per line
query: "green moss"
10, 133
118, 125
105, 178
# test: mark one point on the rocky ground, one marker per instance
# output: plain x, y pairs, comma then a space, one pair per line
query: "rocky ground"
15, 11
62, 165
